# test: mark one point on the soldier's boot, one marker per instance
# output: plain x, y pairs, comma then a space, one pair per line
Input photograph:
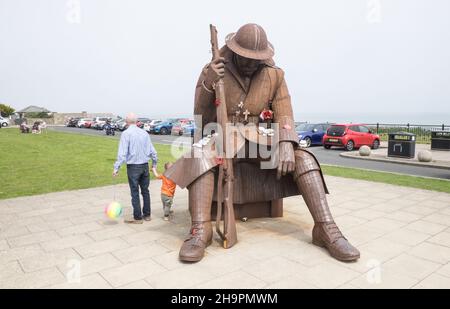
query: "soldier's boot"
200, 235
325, 232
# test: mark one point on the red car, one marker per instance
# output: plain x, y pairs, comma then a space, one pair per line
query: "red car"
88, 124
350, 136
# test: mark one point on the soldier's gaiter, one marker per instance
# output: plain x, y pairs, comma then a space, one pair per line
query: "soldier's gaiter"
200, 197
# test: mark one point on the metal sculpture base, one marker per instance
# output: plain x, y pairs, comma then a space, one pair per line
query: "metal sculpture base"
270, 209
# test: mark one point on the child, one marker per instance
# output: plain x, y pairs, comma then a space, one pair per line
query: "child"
167, 191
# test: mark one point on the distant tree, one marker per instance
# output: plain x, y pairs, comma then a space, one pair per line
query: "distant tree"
6, 110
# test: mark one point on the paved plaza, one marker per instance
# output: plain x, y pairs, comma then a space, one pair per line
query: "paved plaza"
64, 240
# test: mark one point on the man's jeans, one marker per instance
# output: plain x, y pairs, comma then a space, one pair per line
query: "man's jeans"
138, 176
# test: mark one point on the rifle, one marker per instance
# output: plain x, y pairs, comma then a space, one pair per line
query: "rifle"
225, 177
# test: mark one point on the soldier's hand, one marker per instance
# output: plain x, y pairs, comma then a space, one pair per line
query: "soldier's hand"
216, 71
287, 159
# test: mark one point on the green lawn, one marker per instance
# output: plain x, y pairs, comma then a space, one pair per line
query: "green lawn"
55, 161
394, 179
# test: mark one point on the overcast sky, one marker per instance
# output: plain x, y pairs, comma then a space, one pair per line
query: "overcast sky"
341, 57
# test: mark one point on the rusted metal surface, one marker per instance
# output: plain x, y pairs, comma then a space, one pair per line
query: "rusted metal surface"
256, 191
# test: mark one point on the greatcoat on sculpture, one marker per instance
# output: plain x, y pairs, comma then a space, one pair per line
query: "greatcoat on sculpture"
256, 92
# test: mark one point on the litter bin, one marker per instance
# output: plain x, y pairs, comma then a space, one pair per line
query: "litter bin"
440, 140
402, 145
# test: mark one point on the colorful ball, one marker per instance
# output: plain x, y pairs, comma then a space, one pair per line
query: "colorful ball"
113, 210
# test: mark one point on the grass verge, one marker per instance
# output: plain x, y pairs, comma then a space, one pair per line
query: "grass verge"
389, 178
55, 161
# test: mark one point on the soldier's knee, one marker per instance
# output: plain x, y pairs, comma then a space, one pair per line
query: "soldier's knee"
305, 162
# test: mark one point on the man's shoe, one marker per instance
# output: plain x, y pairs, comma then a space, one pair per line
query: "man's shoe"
200, 237
148, 218
166, 218
133, 221
328, 235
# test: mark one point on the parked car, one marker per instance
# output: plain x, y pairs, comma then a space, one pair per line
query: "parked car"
149, 125
312, 133
189, 129
142, 121
88, 124
121, 125
72, 122
350, 136
181, 128
82, 122
99, 123
116, 122
183, 121
177, 129
163, 128
4, 122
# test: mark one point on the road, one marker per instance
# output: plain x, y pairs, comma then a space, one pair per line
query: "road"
325, 156
157, 139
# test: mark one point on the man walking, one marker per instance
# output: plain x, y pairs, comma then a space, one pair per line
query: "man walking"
136, 149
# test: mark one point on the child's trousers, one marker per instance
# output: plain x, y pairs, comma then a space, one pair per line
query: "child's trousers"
167, 204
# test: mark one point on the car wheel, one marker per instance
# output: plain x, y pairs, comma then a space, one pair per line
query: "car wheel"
308, 141
376, 144
4, 124
164, 131
349, 146
327, 146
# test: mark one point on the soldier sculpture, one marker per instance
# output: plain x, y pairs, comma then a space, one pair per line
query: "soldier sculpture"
255, 93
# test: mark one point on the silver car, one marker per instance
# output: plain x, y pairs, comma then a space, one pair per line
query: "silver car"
4, 122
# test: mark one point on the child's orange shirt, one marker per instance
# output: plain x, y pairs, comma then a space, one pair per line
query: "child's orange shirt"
168, 186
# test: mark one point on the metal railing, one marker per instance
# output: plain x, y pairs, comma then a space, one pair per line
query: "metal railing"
422, 131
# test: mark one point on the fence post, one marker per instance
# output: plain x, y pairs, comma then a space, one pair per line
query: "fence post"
443, 127
378, 127
407, 126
